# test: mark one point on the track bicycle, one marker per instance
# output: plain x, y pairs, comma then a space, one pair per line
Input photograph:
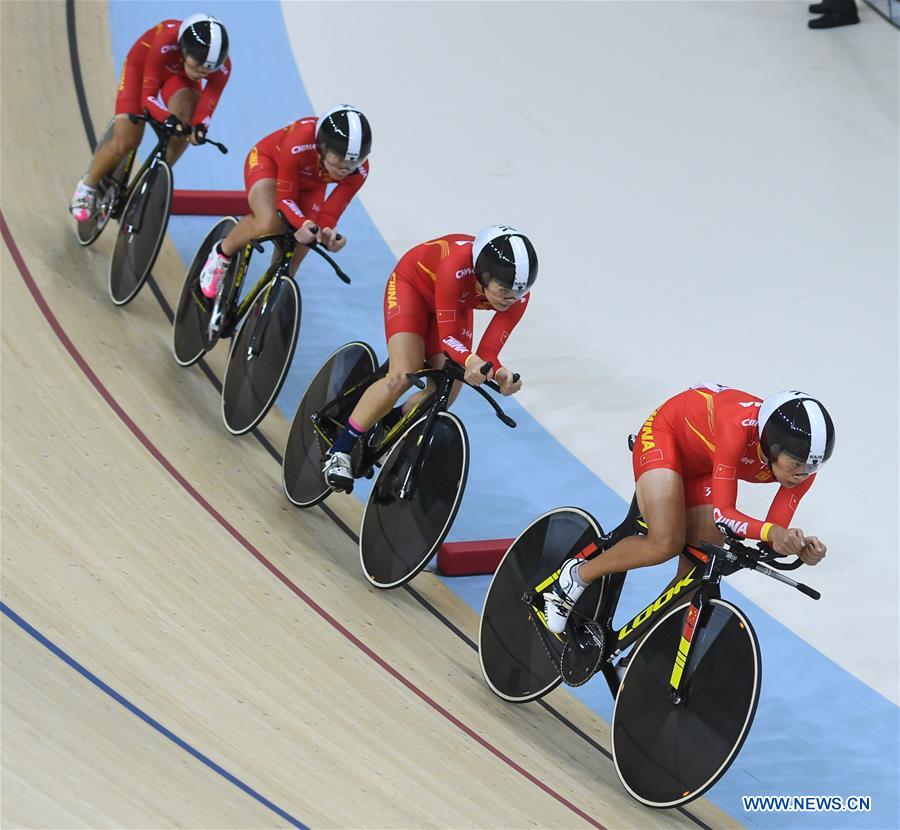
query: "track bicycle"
689, 693
263, 327
424, 459
143, 208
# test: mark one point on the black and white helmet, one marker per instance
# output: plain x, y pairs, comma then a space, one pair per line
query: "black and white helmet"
204, 39
503, 254
795, 423
346, 132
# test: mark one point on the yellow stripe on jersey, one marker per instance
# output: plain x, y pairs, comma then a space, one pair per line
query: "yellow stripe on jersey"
701, 436
443, 244
430, 273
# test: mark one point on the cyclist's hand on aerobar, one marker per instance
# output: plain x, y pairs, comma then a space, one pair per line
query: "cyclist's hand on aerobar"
306, 233
787, 542
198, 134
332, 240
473, 371
504, 378
813, 551
176, 125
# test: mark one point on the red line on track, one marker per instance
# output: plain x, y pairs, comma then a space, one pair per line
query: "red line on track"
104, 393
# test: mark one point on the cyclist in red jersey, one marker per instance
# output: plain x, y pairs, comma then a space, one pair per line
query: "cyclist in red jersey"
289, 171
176, 70
688, 458
429, 303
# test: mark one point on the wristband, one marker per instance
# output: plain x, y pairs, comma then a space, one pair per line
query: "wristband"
764, 534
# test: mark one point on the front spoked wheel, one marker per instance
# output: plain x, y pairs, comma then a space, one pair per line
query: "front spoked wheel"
260, 356
198, 320
141, 234
400, 535
302, 476
108, 192
670, 748
520, 657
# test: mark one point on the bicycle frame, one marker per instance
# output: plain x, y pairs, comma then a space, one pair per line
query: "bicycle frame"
279, 268
129, 183
700, 584
435, 402
438, 401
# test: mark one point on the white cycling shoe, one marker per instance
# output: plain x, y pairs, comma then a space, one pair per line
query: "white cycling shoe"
338, 471
562, 596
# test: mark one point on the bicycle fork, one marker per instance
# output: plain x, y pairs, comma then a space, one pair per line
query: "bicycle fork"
692, 624
135, 219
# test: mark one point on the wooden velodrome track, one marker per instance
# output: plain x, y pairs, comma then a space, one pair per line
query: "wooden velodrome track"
254, 678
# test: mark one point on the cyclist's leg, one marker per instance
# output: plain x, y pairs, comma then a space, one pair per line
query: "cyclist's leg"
407, 354
260, 172
262, 221
405, 323
181, 97
660, 495
126, 136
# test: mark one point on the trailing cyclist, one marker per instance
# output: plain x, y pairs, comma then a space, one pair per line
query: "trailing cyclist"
688, 458
177, 71
429, 304
289, 171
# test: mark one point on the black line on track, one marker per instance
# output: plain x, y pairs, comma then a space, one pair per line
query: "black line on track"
265, 443
76, 75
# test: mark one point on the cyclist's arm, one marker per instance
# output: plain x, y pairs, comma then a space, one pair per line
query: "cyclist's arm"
499, 330
725, 461
340, 197
152, 82
287, 186
211, 94
784, 505
449, 313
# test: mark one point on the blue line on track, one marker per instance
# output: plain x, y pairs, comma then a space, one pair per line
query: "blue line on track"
146, 718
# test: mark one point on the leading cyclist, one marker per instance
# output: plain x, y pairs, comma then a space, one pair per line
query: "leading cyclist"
688, 458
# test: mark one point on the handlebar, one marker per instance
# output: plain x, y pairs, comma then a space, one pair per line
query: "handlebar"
288, 240
757, 558
458, 373
176, 127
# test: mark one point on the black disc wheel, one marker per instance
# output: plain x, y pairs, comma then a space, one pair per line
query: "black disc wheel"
400, 534
108, 191
141, 233
520, 657
302, 476
669, 749
198, 319
261, 353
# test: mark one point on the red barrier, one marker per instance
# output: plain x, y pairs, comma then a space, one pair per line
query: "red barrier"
471, 558
210, 203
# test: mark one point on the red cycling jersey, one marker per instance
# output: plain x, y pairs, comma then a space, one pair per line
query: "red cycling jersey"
710, 436
433, 292
154, 72
290, 156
